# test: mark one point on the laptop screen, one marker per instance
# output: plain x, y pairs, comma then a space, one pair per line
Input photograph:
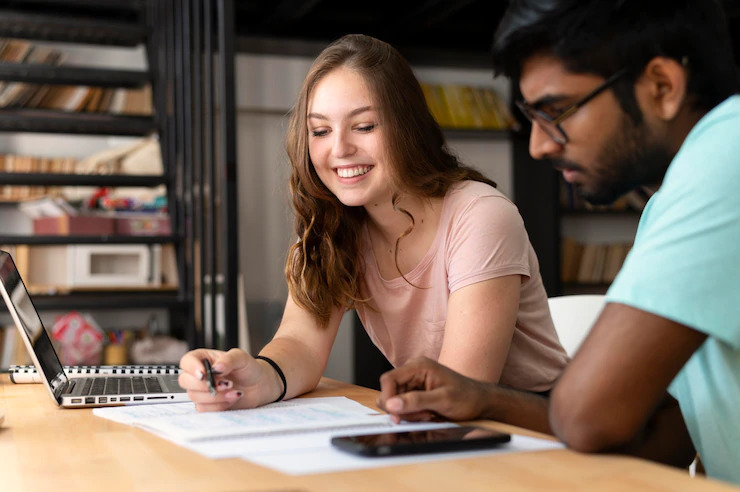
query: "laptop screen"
15, 294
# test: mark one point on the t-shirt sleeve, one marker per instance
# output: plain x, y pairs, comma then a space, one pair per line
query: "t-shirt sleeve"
685, 264
486, 239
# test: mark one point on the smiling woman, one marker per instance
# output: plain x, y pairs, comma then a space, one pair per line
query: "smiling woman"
345, 142
433, 257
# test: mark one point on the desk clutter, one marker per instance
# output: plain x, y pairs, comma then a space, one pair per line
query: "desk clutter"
84, 347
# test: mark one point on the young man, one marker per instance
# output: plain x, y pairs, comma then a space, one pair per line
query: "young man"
624, 94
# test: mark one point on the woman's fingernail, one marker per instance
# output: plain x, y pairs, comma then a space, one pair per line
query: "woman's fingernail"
224, 384
199, 374
218, 368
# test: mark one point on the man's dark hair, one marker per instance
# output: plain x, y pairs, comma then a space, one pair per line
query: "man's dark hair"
604, 36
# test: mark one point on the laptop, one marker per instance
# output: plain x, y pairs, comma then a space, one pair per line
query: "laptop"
72, 392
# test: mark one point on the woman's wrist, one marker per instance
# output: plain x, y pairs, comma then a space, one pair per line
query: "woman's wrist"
278, 377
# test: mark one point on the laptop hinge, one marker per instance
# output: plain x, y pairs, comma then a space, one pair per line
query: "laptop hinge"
64, 388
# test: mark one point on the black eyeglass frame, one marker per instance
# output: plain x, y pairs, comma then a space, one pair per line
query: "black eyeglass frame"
533, 114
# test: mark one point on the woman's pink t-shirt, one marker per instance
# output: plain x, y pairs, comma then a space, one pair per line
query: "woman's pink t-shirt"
480, 236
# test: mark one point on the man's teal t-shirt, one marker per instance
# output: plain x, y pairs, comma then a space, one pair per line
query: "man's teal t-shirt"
685, 266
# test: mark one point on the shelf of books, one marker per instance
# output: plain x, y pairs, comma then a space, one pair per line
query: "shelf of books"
469, 112
590, 265
39, 94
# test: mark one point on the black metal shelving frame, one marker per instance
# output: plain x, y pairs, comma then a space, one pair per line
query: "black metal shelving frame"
54, 179
81, 26
194, 90
47, 121
110, 300
45, 74
87, 239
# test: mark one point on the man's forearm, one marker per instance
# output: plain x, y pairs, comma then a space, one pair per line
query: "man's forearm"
665, 438
516, 407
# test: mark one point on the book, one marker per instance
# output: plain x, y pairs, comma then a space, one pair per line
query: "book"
138, 101
93, 104
487, 113
597, 271
105, 100
15, 50
471, 110
116, 102
23, 94
587, 263
432, 102
615, 256
455, 105
29, 374
443, 117
571, 259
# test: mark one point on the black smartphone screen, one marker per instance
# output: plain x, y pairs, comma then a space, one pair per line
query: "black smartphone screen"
428, 441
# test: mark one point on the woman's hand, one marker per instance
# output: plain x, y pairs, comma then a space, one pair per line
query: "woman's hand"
241, 381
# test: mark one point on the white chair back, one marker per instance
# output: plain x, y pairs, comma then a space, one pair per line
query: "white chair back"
573, 317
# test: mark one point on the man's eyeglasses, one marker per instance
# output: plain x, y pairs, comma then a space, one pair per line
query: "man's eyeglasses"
550, 124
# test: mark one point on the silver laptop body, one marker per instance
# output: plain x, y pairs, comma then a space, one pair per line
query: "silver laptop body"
67, 391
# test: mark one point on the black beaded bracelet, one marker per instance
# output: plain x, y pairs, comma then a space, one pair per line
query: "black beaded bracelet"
279, 372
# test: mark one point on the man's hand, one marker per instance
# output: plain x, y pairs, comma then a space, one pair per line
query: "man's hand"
423, 390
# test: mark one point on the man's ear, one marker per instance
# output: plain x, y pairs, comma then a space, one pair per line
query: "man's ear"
662, 87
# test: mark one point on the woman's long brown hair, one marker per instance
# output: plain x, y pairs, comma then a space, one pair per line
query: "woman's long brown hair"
324, 268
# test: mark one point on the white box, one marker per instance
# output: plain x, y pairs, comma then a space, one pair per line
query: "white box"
85, 266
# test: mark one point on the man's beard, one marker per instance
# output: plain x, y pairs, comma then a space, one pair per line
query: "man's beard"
631, 159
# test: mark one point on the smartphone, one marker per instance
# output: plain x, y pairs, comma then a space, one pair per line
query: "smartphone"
427, 441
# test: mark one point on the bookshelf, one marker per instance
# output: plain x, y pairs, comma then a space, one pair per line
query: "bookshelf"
95, 25
595, 240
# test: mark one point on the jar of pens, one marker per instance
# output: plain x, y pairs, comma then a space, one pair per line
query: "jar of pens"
115, 351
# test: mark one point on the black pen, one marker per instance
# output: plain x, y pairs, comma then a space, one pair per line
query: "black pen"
210, 379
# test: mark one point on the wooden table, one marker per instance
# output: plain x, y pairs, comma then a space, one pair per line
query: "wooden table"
43, 447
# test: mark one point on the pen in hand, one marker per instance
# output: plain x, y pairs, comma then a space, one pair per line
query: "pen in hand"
210, 379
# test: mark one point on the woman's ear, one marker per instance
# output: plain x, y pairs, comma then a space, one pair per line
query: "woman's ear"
662, 87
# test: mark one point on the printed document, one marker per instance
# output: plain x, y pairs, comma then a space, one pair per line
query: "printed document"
180, 422
292, 437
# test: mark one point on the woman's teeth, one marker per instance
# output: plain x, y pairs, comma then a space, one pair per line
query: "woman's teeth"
352, 172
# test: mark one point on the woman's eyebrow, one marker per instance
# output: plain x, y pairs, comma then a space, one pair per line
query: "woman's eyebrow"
354, 112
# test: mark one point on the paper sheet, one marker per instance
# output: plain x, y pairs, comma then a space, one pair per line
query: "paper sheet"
326, 459
180, 422
303, 446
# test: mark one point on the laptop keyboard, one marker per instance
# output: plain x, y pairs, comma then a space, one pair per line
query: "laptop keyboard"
121, 386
